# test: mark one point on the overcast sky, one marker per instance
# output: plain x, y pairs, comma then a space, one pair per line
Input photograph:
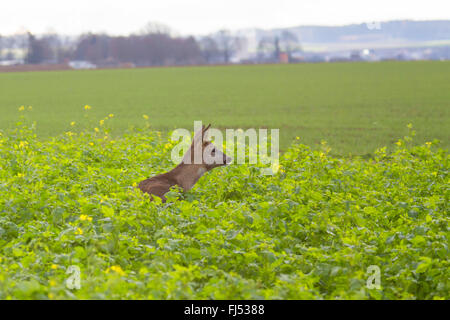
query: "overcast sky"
204, 16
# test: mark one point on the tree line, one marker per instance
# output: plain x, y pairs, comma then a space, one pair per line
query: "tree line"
155, 45
146, 49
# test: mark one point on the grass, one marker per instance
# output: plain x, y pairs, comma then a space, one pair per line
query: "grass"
355, 107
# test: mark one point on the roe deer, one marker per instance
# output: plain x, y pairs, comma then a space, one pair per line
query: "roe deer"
187, 173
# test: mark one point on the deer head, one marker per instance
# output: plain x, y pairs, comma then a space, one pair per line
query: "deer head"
202, 156
203, 153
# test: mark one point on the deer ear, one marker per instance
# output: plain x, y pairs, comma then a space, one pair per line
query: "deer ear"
198, 135
204, 130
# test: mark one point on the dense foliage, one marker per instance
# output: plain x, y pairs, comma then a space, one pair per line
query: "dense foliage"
309, 232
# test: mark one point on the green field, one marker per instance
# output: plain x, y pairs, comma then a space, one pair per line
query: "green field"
312, 230
355, 107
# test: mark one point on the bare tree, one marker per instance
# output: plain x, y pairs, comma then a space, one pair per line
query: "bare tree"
228, 44
38, 50
210, 50
269, 49
289, 42
273, 45
93, 48
57, 52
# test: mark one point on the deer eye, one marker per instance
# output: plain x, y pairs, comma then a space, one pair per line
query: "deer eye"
213, 151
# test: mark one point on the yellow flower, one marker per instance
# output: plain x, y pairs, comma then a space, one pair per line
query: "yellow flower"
23, 144
20, 175
54, 266
297, 138
145, 116
85, 217
87, 107
91, 143
102, 122
111, 115
399, 143
72, 123
79, 231
116, 269
409, 125
96, 130
21, 108
30, 108
428, 143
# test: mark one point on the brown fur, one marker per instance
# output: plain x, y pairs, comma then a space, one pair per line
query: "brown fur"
158, 185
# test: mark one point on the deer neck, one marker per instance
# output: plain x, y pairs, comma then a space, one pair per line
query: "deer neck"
186, 175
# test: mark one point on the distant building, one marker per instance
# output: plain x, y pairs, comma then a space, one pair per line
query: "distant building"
11, 62
78, 64
283, 57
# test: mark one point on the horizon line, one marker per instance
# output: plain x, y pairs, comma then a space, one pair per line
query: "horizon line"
23, 30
